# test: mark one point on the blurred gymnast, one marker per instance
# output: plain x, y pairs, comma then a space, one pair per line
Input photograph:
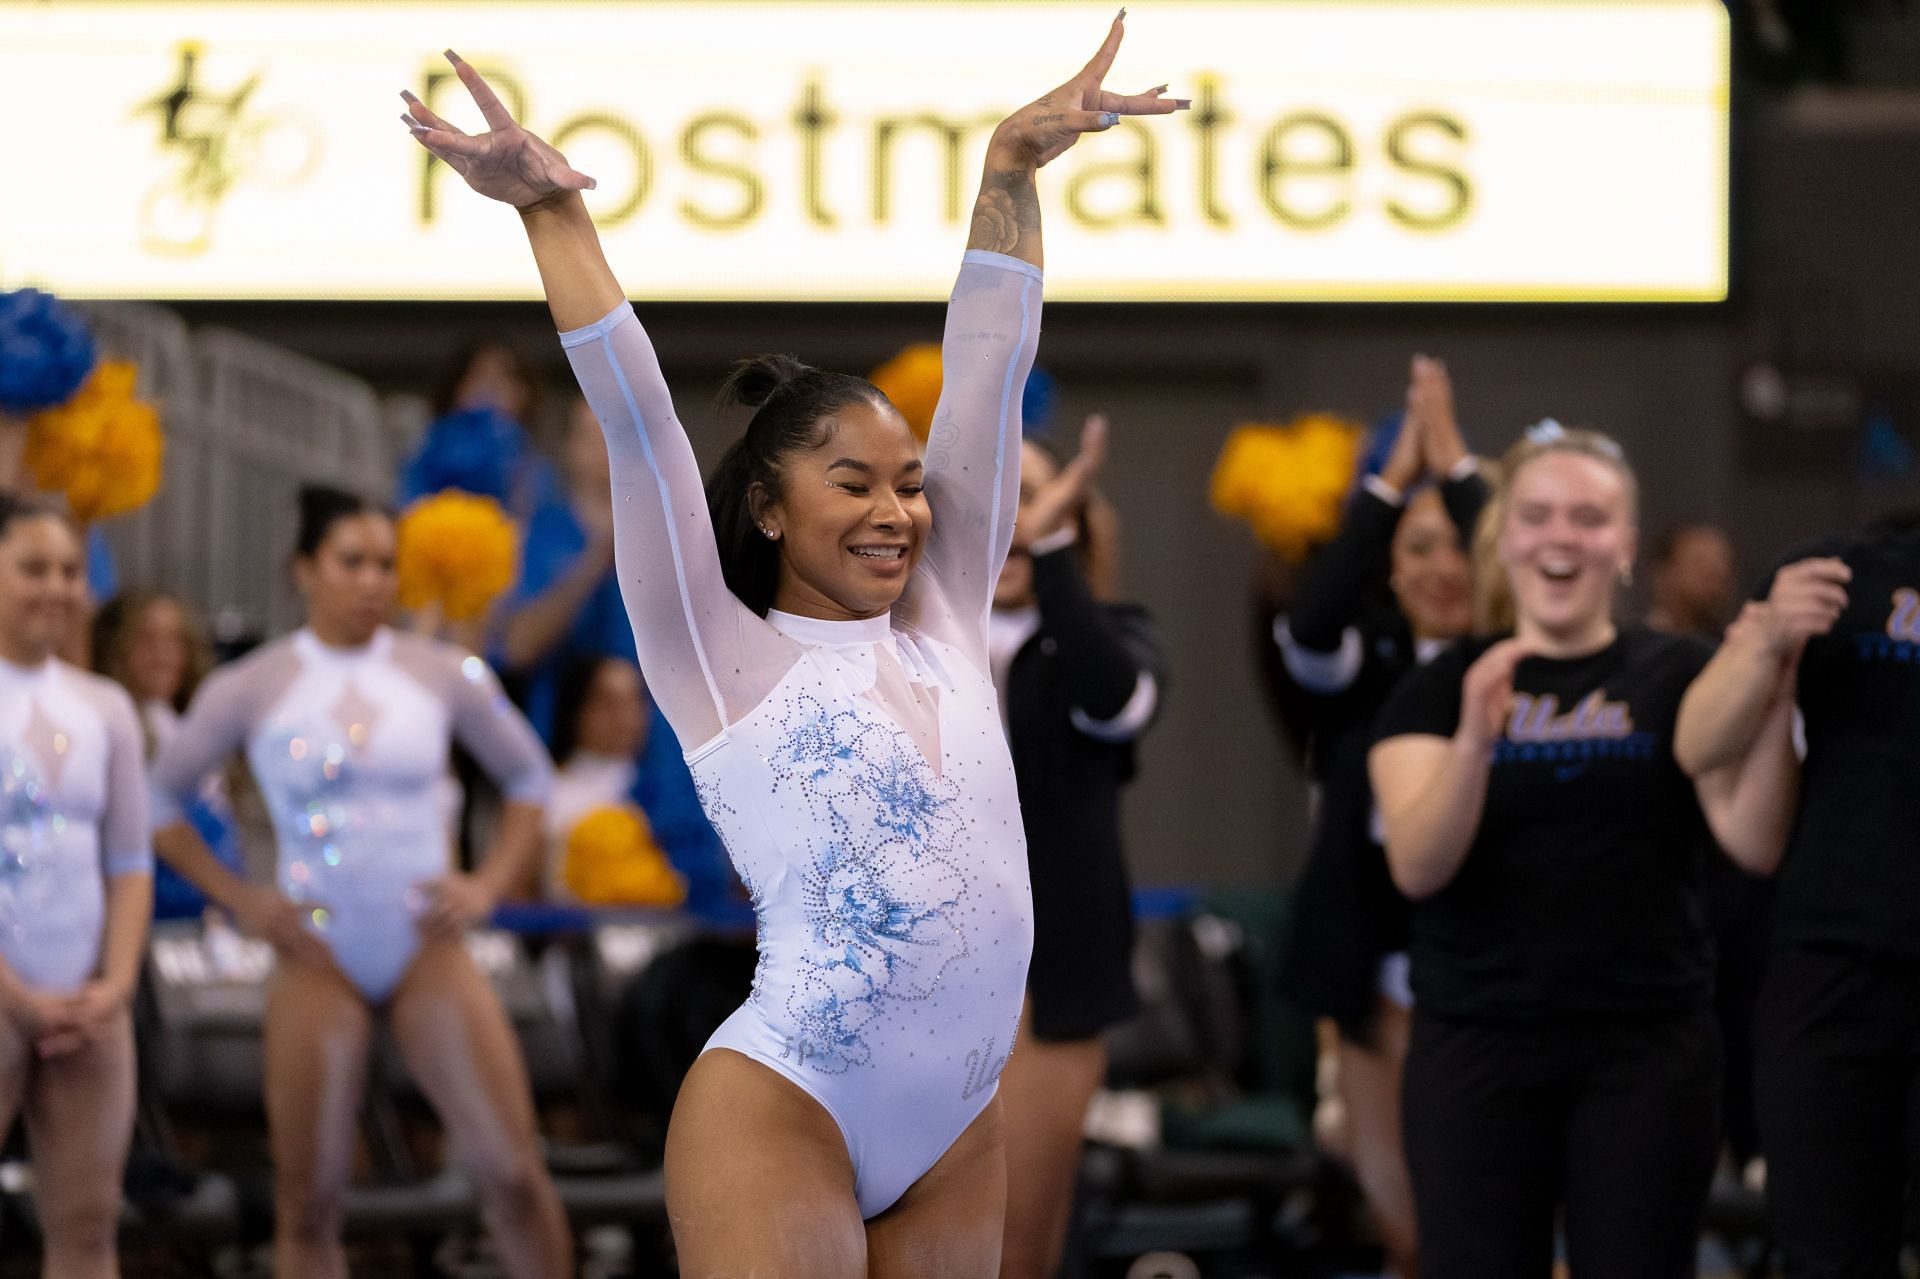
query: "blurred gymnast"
815, 631
75, 894
346, 726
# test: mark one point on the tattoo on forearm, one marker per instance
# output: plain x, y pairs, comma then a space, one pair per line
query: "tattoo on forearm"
1006, 217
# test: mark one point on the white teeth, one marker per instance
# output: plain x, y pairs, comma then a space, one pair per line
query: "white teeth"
880, 552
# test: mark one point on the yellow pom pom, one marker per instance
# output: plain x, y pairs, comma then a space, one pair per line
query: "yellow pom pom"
102, 449
911, 380
455, 550
1288, 482
611, 860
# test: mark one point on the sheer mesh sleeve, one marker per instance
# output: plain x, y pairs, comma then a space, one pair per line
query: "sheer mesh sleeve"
973, 453
489, 725
707, 658
216, 725
126, 835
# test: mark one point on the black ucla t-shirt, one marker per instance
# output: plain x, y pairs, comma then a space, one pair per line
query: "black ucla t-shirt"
1851, 874
1582, 892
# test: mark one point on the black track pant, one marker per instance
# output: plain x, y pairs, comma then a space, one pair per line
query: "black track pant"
1838, 1086
1614, 1121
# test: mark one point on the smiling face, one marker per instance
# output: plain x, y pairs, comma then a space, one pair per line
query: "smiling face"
43, 587
1430, 573
851, 516
1567, 540
350, 581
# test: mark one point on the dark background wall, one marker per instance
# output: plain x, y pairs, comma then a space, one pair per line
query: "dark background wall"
1827, 296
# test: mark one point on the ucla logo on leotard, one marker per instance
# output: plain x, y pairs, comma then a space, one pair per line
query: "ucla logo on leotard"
984, 1068
1539, 732
881, 894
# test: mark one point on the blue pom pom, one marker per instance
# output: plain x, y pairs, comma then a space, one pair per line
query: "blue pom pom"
46, 351
1037, 402
477, 450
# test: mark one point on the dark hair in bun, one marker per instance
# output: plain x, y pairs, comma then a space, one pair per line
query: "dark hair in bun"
321, 507
792, 402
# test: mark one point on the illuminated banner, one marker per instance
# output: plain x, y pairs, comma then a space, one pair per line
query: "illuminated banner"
1339, 150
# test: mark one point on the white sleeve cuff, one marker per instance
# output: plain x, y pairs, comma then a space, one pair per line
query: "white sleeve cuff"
1384, 491
1058, 540
1321, 672
1132, 719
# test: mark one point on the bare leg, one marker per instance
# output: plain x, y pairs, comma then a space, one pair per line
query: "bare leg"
79, 1115
1044, 1094
461, 1050
758, 1178
1370, 1090
318, 1032
16, 1064
948, 1225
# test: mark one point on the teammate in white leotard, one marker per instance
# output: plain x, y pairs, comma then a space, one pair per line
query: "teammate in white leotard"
815, 632
76, 888
346, 727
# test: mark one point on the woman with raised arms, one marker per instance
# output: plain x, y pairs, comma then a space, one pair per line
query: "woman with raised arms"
814, 627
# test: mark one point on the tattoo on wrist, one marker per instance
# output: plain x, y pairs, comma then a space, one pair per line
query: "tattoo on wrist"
1007, 214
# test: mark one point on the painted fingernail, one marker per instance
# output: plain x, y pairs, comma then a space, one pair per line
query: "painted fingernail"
1122, 15
451, 55
1158, 89
1109, 118
1182, 104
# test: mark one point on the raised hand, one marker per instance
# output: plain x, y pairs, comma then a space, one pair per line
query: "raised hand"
1060, 497
1407, 458
1806, 599
506, 163
1486, 695
1430, 401
1047, 126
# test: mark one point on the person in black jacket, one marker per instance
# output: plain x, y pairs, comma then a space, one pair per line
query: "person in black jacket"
1383, 596
1079, 679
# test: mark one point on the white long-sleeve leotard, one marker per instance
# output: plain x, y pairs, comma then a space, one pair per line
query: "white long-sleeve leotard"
349, 748
856, 770
73, 814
